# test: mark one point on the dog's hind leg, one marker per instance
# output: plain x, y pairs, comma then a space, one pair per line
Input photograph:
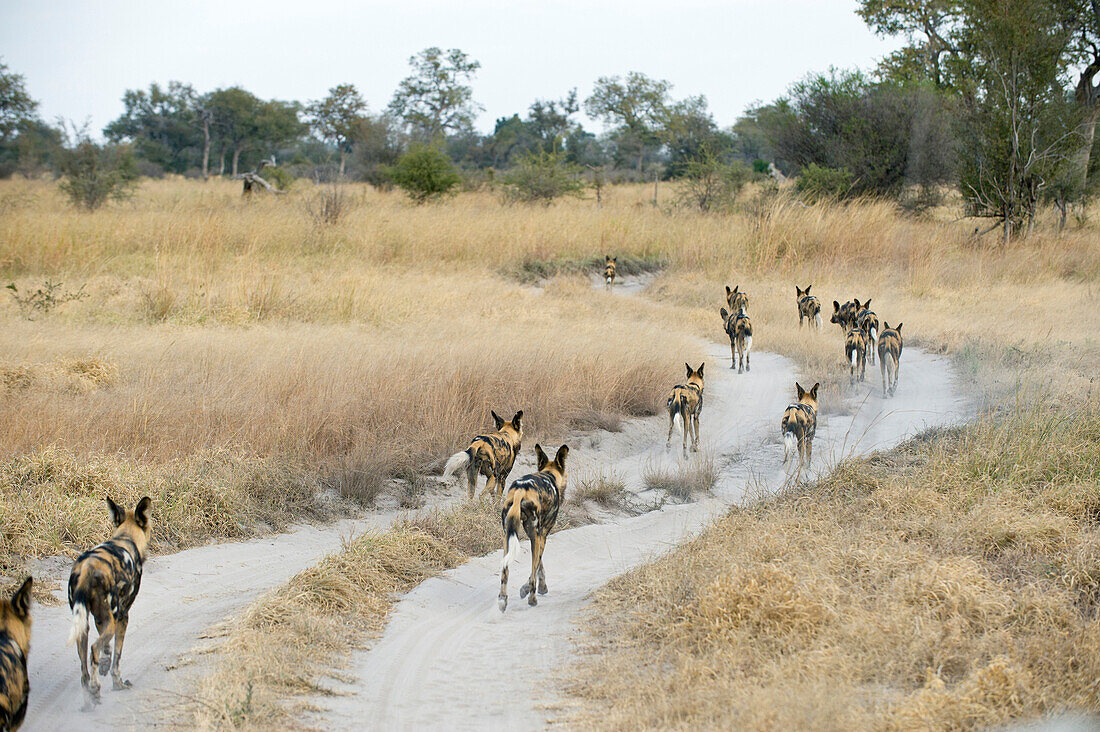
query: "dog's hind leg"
116, 672
472, 469
538, 543
542, 578
87, 679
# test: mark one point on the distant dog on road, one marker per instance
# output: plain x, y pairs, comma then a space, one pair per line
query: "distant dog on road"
809, 308
686, 402
889, 357
532, 505
15, 644
844, 315
867, 321
491, 455
739, 329
799, 426
104, 583
855, 350
609, 271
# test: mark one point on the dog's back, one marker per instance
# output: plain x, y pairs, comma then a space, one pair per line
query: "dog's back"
15, 640
809, 307
890, 344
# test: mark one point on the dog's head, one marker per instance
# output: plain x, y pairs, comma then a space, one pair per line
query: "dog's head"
512, 429
15, 616
807, 397
555, 467
800, 293
736, 298
695, 376
843, 314
133, 525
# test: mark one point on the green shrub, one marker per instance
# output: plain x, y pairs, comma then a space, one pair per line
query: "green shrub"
425, 173
542, 177
818, 183
94, 174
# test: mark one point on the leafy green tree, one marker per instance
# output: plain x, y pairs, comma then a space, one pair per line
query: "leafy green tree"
542, 177
244, 123
425, 173
163, 124
935, 52
637, 106
690, 135
16, 105
1019, 126
377, 146
818, 183
436, 98
338, 117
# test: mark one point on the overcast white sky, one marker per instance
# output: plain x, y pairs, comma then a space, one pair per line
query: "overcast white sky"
79, 57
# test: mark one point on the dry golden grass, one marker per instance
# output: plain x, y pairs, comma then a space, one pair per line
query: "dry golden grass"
951, 584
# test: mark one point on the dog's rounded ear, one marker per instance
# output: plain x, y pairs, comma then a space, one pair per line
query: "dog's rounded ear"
141, 513
563, 452
836, 306
497, 419
808, 289
813, 392
540, 457
517, 419
736, 288
867, 304
725, 315
700, 371
21, 600
614, 259
798, 388
688, 367
728, 291
117, 514
885, 325
898, 329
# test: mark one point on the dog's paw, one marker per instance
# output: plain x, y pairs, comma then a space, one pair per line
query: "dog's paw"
502, 602
104, 664
120, 685
533, 600
542, 588
525, 590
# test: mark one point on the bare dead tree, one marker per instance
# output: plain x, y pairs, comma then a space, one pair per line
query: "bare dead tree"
253, 179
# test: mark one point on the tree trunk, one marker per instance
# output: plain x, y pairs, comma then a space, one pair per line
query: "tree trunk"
1088, 138
343, 159
221, 167
205, 147
655, 188
236, 158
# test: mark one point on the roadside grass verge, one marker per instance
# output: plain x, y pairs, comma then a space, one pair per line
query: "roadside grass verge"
289, 641
686, 480
951, 583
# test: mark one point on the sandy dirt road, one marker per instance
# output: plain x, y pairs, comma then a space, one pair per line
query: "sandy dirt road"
449, 659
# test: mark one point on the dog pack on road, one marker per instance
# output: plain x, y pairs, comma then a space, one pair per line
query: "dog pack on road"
105, 580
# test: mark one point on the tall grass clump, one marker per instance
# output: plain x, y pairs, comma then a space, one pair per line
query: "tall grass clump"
951, 583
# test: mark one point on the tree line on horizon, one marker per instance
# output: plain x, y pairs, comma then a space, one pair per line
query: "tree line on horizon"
998, 99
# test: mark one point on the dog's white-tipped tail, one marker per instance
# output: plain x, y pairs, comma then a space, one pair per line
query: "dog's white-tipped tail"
748, 343
513, 547
874, 334
456, 462
855, 358
790, 444
817, 321
79, 628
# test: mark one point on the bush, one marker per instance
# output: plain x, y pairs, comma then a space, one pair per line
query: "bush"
817, 183
709, 184
425, 173
95, 174
278, 176
542, 177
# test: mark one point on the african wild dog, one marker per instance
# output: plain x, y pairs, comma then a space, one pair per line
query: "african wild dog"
809, 308
15, 644
737, 298
855, 349
739, 329
491, 455
609, 271
104, 583
889, 357
686, 402
867, 321
844, 315
799, 426
532, 504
